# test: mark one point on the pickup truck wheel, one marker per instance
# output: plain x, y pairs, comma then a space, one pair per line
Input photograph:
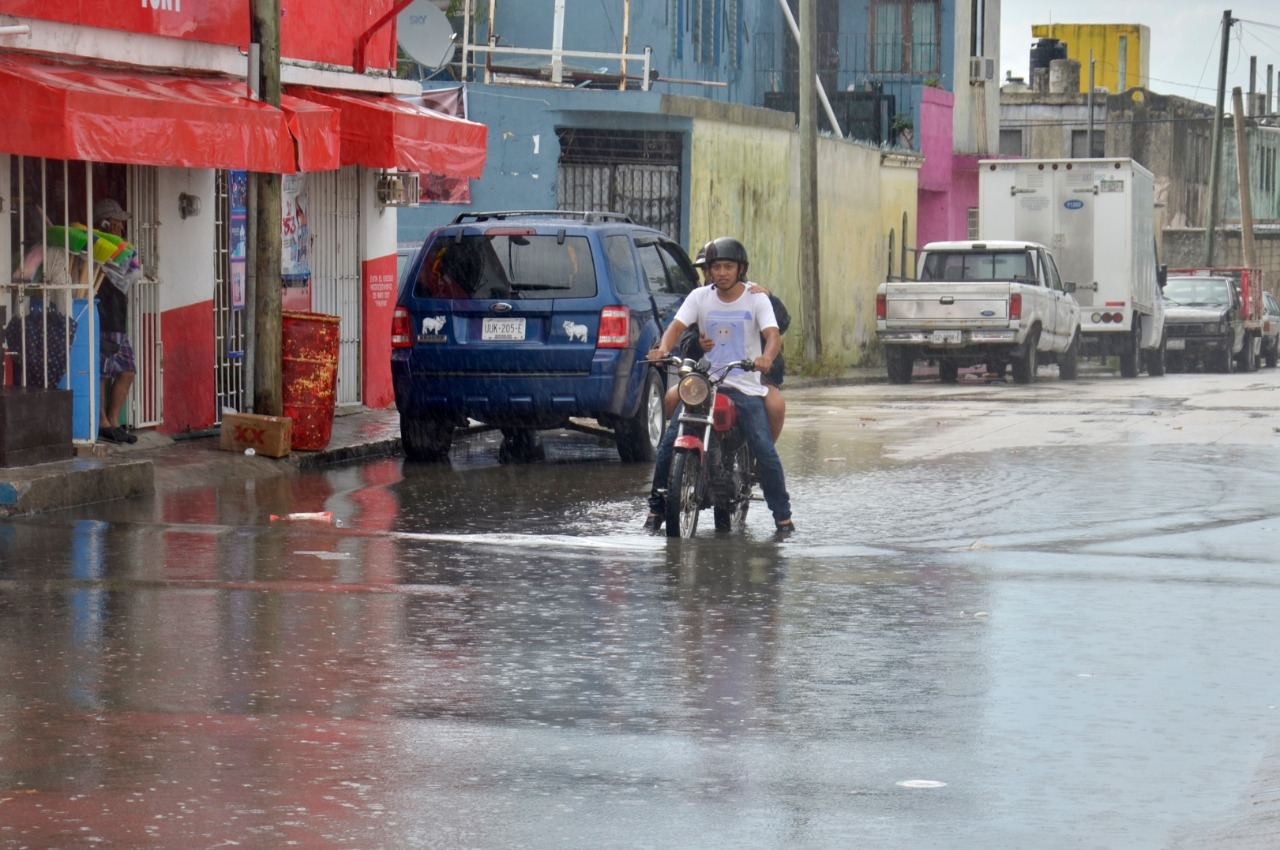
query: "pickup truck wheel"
948, 370
1156, 358
1130, 359
1069, 361
426, 438
638, 437
901, 362
1221, 361
1248, 360
1024, 365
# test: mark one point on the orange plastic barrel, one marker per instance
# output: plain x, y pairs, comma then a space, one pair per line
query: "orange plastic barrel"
309, 377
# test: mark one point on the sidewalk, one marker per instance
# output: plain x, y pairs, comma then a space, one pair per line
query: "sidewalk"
159, 464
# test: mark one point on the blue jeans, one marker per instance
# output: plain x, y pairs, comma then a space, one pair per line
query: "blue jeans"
755, 427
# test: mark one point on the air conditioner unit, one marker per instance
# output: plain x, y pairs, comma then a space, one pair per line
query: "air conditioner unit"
397, 189
982, 68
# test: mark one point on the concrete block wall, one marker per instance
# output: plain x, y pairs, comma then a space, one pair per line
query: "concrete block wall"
1185, 248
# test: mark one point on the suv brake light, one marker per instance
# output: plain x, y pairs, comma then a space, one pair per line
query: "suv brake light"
615, 327
1015, 306
882, 306
401, 336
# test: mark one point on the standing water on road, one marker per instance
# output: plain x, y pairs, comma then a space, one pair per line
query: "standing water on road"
980, 648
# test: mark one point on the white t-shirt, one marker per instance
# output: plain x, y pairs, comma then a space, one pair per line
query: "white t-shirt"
735, 326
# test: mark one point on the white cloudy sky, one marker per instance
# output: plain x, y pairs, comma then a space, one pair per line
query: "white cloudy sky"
1185, 38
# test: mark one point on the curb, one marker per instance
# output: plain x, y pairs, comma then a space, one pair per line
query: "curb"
48, 487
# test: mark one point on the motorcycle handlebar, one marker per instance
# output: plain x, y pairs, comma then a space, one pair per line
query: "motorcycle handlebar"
676, 360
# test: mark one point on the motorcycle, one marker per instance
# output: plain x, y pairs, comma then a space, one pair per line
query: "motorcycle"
712, 464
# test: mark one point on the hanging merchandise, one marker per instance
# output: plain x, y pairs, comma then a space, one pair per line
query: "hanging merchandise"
107, 247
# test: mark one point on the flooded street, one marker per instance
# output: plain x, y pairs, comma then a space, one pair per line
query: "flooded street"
1013, 616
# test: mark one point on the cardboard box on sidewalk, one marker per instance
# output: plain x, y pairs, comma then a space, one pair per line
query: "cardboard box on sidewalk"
269, 436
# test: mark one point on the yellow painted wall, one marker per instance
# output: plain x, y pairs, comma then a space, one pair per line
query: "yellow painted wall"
1105, 41
744, 182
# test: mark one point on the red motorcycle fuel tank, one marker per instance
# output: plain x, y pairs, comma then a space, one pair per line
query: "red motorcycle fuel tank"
725, 415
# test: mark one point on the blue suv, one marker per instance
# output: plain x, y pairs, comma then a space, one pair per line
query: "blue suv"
527, 321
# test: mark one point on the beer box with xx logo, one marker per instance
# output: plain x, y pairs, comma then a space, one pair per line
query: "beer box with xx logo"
268, 436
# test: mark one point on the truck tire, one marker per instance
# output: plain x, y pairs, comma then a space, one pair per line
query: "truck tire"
1069, 360
1221, 361
1248, 360
948, 370
901, 363
1272, 354
1024, 365
1131, 351
1156, 358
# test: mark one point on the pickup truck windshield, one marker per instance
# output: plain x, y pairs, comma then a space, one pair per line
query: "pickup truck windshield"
978, 265
1190, 291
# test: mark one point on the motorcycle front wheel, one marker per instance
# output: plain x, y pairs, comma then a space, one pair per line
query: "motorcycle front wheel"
682, 494
731, 507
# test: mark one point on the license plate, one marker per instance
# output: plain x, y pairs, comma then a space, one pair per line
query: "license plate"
1176, 344
502, 329
945, 338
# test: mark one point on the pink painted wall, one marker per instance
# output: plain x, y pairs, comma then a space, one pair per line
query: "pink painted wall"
948, 181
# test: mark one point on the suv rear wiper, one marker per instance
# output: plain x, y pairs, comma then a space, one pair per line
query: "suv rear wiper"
518, 287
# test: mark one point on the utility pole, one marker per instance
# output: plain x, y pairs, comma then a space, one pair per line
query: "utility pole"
268, 398
1242, 183
810, 291
1088, 136
1215, 157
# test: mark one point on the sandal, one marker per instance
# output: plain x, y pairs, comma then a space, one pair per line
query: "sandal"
653, 522
111, 434
785, 526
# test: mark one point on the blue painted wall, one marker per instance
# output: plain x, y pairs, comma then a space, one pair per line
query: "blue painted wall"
523, 150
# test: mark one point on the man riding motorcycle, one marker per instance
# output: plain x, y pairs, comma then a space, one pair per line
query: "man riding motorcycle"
736, 320
693, 343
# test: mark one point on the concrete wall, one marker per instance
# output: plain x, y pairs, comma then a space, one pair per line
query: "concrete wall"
744, 182
1171, 136
1184, 248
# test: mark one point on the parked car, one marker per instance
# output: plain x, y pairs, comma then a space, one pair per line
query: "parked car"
1204, 322
527, 321
1270, 330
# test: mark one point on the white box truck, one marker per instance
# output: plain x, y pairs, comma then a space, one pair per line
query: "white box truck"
1098, 218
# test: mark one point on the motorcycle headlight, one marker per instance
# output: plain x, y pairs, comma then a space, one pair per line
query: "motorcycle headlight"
694, 389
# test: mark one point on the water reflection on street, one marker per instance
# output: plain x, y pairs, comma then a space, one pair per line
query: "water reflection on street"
492, 656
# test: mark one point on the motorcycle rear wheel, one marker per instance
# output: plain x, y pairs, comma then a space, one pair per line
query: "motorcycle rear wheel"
682, 494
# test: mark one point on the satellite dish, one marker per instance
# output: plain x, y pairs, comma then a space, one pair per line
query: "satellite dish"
426, 34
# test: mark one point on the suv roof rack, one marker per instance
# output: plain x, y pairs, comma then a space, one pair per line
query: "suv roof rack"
585, 215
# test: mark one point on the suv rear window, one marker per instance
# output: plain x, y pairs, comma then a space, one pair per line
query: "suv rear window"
507, 265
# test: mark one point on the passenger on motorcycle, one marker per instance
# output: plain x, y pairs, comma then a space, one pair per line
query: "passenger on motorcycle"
736, 320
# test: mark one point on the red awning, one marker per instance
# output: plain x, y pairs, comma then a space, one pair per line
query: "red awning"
317, 130
98, 114
384, 132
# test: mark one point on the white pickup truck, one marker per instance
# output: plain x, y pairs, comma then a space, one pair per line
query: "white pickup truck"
994, 303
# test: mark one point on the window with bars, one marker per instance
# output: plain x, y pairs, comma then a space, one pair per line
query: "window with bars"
905, 36
714, 30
